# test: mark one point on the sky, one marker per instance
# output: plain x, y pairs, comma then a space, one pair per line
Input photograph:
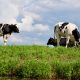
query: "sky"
36, 18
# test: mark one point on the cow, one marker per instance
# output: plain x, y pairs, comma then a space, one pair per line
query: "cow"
6, 30
53, 42
68, 31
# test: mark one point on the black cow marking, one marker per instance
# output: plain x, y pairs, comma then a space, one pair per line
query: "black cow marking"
76, 34
64, 24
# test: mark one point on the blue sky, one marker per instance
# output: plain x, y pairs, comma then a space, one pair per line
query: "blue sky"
36, 18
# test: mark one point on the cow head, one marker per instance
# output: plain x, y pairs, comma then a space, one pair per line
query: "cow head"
63, 27
14, 28
52, 41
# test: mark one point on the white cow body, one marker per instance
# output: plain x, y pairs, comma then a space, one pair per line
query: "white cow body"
67, 30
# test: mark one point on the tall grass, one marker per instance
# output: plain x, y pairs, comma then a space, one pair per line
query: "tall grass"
40, 62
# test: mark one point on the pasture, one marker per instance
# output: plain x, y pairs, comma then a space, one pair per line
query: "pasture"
40, 62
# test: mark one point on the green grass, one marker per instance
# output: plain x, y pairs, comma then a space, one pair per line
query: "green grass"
40, 62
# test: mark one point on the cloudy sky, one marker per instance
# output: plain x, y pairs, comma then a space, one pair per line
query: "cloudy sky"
36, 18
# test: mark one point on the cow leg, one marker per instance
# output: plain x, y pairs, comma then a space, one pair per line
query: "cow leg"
67, 41
5, 39
76, 44
58, 40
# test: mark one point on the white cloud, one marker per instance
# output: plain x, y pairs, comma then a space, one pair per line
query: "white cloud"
8, 12
35, 16
41, 28
29, 26
26, 24
39, 6
11, 9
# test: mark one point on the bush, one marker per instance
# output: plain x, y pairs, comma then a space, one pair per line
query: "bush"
76, 71
37, 69
62, 70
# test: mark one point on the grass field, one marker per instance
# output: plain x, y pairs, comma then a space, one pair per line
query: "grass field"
40, 62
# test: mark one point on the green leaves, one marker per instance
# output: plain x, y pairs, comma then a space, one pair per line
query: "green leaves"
40, 62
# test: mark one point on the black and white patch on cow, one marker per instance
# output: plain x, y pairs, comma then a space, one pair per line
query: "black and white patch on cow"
68, 31
63, 26
6, 30
76, 34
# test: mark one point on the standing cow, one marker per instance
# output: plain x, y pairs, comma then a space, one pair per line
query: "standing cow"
6, 30
67, 30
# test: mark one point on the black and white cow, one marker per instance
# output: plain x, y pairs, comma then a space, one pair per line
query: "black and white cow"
52, 41
6, 30
62, 42
67, 30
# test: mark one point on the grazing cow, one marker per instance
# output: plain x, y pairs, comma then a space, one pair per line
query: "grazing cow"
53, 42
6, 30
67, 30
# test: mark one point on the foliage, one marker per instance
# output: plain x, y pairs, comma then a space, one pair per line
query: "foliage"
40, 62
